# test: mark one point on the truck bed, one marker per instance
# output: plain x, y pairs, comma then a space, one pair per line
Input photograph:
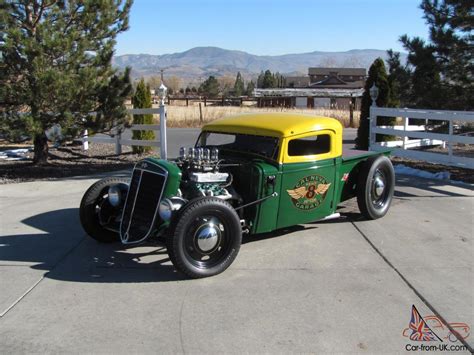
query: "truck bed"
354, 154
350, 167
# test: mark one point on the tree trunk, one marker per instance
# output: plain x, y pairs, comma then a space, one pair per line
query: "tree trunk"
41, 149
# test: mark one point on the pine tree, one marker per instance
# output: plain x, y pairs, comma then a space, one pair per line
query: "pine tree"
427, 91
56, 63
268, 80
377, 75
142, 99
250, 88
443, 70
278, 80
260, 79
210, 87
398, 80
239, 85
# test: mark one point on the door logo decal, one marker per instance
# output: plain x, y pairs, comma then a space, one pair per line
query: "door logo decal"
309, 192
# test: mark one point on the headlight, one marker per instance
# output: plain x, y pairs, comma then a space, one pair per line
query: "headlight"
115, 195
165, 210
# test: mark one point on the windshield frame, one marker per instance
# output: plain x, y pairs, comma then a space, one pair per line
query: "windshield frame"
274, 155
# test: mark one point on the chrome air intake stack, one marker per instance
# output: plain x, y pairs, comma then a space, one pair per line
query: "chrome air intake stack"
199, 159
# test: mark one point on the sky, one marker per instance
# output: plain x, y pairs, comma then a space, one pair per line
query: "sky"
270, 27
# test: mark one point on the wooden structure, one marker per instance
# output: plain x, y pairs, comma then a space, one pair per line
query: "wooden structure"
309, 98
322, 87
220, 101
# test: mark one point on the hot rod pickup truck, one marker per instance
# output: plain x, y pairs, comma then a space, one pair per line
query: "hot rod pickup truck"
246, 174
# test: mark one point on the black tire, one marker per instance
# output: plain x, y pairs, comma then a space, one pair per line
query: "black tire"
375, 187
89, 217
205, 237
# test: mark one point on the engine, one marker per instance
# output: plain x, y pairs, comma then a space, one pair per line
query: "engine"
201, 175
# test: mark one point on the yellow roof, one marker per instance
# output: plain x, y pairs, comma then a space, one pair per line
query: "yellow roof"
273, 124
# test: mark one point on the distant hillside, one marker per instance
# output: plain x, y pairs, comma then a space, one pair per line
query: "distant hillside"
204, 61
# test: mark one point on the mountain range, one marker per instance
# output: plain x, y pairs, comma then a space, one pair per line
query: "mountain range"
200, 62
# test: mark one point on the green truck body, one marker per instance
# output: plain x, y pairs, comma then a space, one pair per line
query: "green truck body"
252, 181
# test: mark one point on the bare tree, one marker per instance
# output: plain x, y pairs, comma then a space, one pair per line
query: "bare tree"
226, 83
173, 83
153, 81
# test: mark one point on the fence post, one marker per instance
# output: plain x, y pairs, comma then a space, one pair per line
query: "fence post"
351, 113
450, 145
118, 136
163, 145
85, 142
374, 93
372, 125
405, 128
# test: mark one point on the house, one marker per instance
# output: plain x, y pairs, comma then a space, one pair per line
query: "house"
337, 77
322, 87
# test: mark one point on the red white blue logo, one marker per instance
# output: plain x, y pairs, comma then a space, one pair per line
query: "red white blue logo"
420, 331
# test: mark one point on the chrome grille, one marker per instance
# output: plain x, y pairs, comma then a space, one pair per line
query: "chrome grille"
141, 206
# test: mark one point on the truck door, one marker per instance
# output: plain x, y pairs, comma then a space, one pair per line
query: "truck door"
308, 176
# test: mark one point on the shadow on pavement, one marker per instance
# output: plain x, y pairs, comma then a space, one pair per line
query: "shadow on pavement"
428, 187
58, 245
278, 233
67, 254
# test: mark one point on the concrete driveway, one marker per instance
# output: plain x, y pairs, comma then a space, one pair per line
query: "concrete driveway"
341, 286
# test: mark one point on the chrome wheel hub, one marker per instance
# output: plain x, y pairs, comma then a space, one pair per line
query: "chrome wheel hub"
379, 186
207, 237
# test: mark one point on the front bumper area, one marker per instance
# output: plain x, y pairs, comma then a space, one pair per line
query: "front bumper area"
140, 212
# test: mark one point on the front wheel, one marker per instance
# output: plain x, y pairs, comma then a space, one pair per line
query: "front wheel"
96, 212
375, 187
205, 238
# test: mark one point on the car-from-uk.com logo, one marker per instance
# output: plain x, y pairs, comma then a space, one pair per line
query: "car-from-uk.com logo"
439, 335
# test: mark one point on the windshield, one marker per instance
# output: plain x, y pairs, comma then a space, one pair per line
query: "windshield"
260, 145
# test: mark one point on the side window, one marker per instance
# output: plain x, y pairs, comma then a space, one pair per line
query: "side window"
314, 145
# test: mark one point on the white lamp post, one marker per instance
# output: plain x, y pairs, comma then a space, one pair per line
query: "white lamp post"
162, 91
374, 94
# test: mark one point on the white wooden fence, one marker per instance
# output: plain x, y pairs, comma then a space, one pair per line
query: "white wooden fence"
422, 137
119, 141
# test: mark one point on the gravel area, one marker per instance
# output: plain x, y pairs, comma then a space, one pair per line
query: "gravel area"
67, 161
458, 174
461, 150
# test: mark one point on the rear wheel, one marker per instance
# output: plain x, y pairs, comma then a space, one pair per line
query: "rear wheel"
205, 238
375, 187
96, 212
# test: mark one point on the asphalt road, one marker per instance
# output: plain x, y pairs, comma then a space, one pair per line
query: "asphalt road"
342, 286
179, 137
